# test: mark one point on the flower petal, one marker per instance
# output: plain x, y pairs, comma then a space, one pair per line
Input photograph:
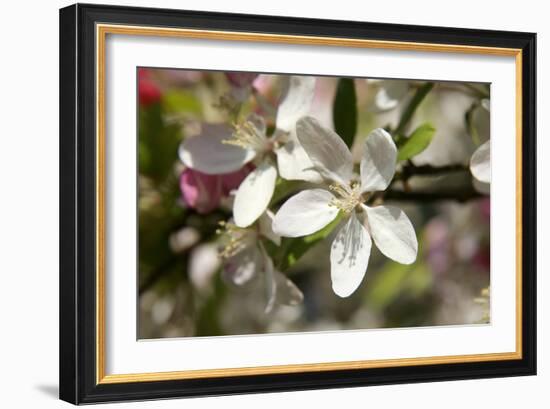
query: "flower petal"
242, 267
294, 164
206, 152
305, 213
378, 163
480, 164
254, 194
393, 233
287, 292
329, 154
270, 283
296, 103
266, 227
349, 257
390, 93
279, 289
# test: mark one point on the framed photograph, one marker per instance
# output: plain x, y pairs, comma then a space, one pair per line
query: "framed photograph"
258, 203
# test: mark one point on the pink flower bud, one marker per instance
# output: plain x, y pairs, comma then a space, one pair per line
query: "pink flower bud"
200, 191
203, 192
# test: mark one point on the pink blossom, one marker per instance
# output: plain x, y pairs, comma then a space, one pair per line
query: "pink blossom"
241, 79
204, 192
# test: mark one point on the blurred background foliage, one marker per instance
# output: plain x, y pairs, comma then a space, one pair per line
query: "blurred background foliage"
436, 126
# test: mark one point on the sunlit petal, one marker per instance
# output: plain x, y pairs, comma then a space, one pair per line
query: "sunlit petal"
294, 164
329, 154
254, 194
349, 257
296, 103
305, 213
393, 233
378, 162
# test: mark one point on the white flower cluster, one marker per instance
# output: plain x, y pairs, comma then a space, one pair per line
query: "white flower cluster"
300, 148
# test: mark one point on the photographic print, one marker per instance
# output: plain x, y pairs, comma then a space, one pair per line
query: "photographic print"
337, 203
275, 203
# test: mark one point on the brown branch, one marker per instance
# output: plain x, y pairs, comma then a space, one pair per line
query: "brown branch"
459, 195
410, 170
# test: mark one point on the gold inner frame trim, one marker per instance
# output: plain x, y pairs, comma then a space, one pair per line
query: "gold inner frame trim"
101, 33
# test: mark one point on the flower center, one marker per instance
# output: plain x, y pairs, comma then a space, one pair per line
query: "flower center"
348, 198
236, 239
248, 136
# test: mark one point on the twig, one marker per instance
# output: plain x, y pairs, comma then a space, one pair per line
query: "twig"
410, 169
461, 195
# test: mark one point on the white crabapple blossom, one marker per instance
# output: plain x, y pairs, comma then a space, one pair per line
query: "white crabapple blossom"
244, 256
313, 209
220, 149
480, 162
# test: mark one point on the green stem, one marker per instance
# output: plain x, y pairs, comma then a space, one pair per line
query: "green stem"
479, 92
469, 119
407, 115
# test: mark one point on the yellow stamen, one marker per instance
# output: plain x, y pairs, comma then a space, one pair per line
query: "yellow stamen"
348, 199
247, 136
236, 239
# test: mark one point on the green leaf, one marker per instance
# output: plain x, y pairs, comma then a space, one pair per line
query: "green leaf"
397, 279
180, 101
413, 105
158, 143
417, 142
387, 285
344, 110
284, 188
292, 249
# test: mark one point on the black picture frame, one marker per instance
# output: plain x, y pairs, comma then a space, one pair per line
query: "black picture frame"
78, 363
